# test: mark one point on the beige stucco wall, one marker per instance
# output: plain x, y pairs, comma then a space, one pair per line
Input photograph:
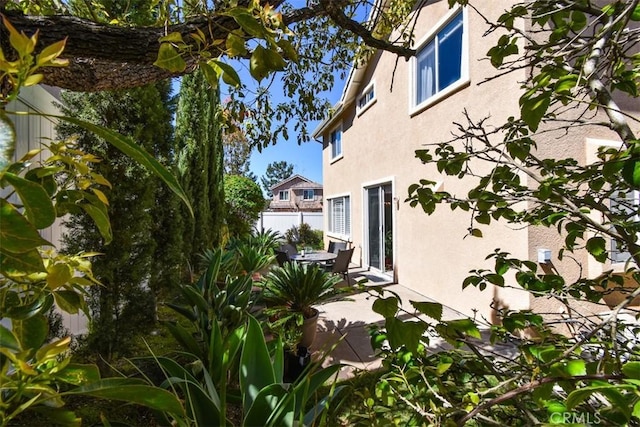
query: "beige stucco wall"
433, 254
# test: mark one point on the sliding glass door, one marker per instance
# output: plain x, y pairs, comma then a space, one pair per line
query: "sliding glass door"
380, 227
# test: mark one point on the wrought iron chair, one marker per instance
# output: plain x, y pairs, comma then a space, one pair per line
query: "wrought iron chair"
341, 263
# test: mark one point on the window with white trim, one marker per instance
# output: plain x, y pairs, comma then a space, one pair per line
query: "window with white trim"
366, 99
626, 206
336, 142
283, 195
308, 194
340, 215
440, 61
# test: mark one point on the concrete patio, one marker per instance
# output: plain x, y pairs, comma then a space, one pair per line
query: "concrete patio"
345, 325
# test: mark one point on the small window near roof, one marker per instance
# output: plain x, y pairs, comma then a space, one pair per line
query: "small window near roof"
336, 143
367, 98
307, 194
283, 195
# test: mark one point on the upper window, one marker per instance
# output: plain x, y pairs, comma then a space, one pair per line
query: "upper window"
366, 99
340, 216
283, 195
336, 143
307, 194
440, 61
625, 206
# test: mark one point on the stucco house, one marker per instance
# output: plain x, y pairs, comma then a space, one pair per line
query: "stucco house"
390, 108
296, 194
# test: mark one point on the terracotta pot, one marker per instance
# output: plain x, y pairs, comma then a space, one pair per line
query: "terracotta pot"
309, 328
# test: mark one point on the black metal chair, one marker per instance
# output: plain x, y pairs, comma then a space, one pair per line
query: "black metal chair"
334, 247
289, 248
282, 257
341, 263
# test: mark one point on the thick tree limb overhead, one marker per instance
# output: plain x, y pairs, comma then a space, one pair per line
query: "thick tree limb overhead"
103, 57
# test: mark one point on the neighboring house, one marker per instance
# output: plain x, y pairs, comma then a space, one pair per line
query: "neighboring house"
296, 194
369, 162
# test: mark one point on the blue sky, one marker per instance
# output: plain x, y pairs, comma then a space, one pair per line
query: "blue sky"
305, 157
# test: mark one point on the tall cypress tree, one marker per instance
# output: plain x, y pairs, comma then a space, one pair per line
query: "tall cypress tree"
124, 304
201, 163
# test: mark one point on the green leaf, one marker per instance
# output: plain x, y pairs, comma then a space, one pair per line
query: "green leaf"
387, 307
533, 109
59, 275
256, 369
16, 233
631, 172
258, 66
169, 59
229, 74
431, 309
174, 37
78, 374
31, 332
19, 311
132, 392
631, 370
597, 247
68, 301
612, 392
100, 217
27, 262
248, 22
8, 339
235, 45
288, 50
52, 349
136, 152
266, 402
274, 60
35, 200
407, 334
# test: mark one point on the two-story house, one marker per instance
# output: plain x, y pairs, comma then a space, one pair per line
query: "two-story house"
390, 108
296, 194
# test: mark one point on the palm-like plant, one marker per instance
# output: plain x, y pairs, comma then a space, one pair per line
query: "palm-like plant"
291, 291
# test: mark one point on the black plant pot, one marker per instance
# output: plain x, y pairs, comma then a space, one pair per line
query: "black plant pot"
294, 363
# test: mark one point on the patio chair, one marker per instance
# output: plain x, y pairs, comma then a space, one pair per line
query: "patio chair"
341, 263
282, 257
334, 247
289, 248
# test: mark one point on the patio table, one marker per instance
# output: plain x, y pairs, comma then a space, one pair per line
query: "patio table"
315, 256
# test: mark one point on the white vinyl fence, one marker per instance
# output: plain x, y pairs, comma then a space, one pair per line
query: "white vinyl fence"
283, 221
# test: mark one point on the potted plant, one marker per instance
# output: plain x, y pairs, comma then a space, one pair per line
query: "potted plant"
291, 291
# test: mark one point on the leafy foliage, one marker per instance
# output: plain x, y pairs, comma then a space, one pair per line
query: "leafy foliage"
244, 202
586, 370
305, 236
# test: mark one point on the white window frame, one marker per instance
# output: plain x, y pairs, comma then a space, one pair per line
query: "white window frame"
336, 228
369, 95
284, 193
334, 154
308, 191
415, 107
